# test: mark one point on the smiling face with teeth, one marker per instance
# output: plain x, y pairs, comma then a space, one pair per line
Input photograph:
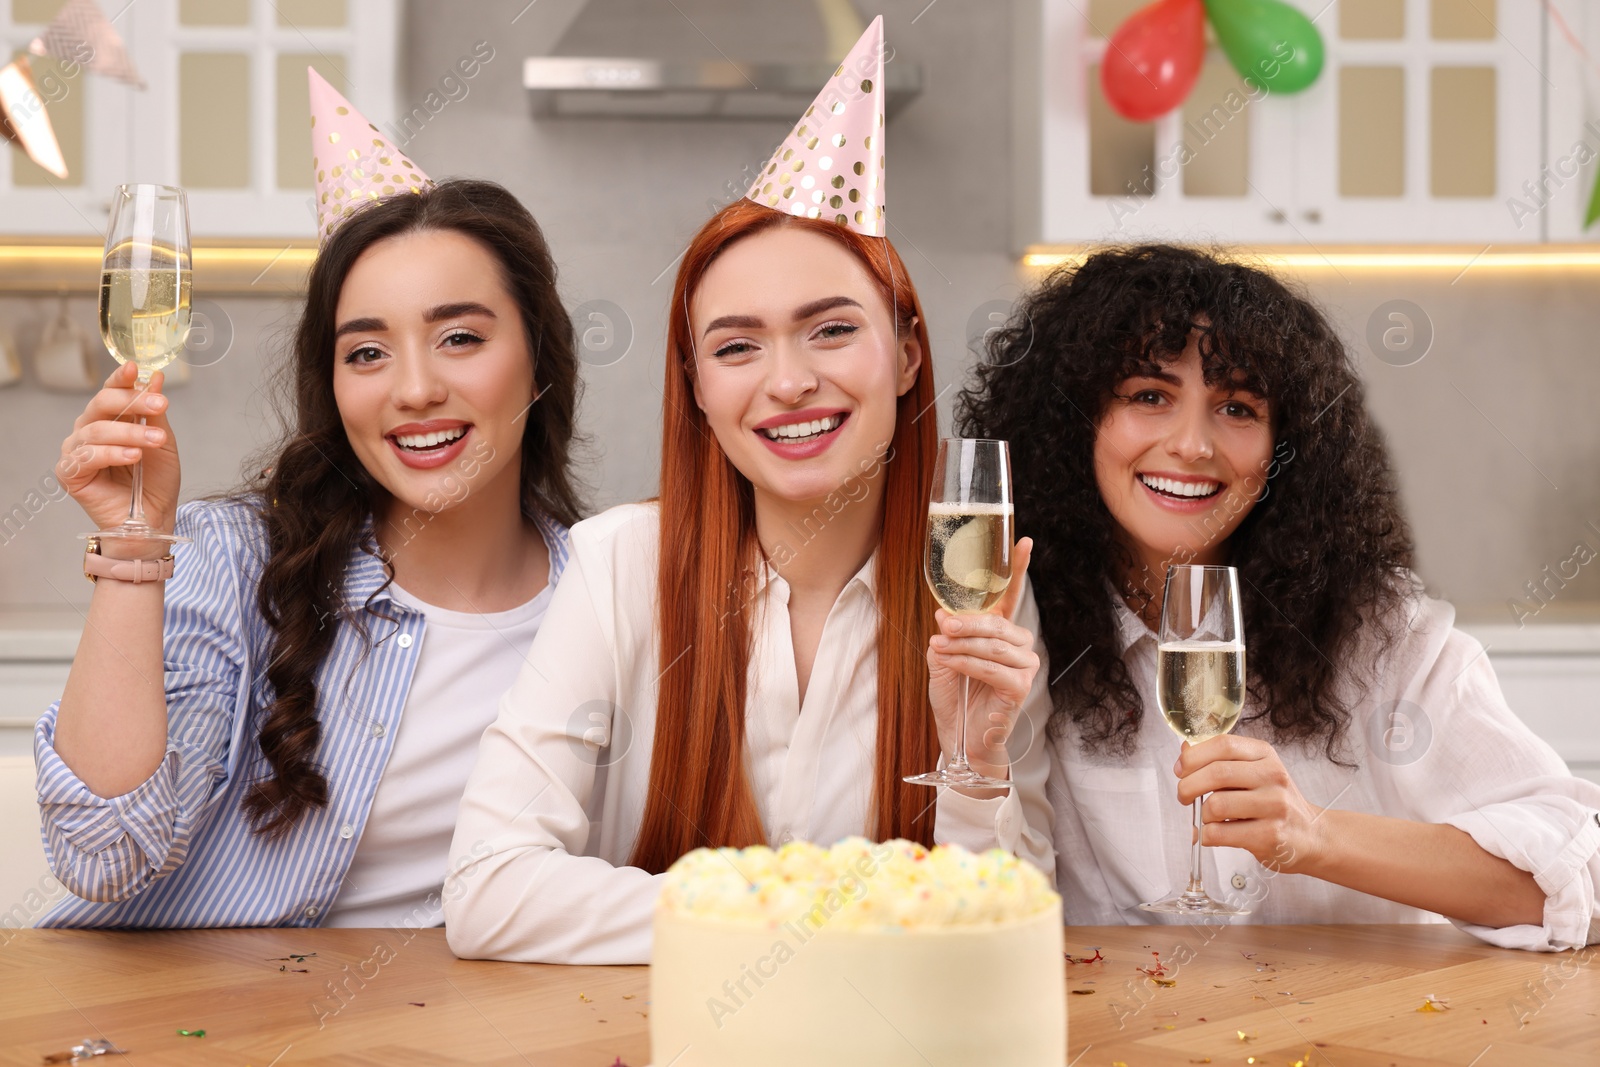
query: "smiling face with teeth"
797, 364
1179, 462
431, 372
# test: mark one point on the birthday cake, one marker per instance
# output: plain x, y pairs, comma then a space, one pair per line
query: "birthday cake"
889, 954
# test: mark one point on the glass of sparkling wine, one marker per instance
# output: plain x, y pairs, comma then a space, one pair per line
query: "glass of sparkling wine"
1200, 688
968, 560
144, 306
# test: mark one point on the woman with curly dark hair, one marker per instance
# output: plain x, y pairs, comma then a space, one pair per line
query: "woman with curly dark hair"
280, 733
1165, 407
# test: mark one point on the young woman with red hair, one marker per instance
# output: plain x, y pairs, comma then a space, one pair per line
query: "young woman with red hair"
752, 657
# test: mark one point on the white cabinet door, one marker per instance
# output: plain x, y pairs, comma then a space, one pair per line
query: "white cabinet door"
1420, 137
223, 113
1426, 115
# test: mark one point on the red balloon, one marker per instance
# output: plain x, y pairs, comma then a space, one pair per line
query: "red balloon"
1153, 59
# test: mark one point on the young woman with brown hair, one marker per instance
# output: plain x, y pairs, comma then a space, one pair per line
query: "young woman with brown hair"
279, 734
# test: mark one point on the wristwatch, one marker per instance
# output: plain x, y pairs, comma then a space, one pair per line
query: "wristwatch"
97, 566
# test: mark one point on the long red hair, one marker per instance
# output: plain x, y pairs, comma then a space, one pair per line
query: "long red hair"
699, 791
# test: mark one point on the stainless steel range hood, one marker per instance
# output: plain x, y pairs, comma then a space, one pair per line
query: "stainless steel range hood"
633, 87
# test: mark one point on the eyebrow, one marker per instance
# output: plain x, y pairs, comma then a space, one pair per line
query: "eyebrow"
434, 314
801, 313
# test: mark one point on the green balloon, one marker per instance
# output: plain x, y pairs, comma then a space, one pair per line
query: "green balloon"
1268, 42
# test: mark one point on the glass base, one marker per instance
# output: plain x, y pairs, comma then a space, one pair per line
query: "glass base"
130, 535
963, 779
1192, 903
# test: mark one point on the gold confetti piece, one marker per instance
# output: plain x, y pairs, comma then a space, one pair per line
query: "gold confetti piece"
1244, 1036
629, 996
1082, 992
1166, 983
1433, 1003
1118, 1063
584, 997
1203, 1059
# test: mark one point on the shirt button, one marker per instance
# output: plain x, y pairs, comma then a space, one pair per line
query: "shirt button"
347, 831
1239, 881
311, 911
378, 729
404, 640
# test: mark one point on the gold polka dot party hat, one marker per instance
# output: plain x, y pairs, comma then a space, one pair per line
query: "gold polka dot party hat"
831, 164
354, 164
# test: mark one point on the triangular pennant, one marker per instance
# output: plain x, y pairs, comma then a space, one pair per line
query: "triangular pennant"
80, 33
24, 119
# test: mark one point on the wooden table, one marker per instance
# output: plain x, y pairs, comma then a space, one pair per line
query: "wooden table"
1345, 996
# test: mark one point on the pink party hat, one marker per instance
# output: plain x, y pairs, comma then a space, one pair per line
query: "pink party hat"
355, 165
831, 165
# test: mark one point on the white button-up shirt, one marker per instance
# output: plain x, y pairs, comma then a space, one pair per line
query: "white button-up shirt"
1431, 739
552, 811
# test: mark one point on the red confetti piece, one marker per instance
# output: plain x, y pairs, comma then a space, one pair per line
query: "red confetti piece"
1096, 958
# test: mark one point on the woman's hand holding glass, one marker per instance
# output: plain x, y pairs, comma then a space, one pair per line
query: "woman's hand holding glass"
105, 444
996, 657
1252, 804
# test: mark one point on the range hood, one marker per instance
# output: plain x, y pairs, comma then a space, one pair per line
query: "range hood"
762, 83
593, 86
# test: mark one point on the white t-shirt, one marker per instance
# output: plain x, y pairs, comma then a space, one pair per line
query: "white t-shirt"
466, 662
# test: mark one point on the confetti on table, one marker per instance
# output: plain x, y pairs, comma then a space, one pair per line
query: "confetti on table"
1082, 992
1096, 958
1201, 1019
629, 996
416, 1003
1244, 1036
1165, 983
1203, 1059
293, 957
91, 1046
585, 998
191, 1033
1433, 1003
619, 1063
294, 970
1156, 969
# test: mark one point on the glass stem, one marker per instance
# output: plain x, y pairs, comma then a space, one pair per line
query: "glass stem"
136, 498
959, 765
1195, 883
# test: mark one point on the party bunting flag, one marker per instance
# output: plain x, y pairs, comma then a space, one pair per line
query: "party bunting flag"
80, 33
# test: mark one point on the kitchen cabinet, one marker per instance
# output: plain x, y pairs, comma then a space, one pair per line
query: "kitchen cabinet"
1426, 116
224, 113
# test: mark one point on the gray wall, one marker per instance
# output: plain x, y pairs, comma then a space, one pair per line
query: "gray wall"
619, 198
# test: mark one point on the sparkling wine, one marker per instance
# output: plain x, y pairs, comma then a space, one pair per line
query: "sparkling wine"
144, 314
1200, 687
969, 554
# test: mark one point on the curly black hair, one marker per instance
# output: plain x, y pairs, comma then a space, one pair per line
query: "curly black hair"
1325, 554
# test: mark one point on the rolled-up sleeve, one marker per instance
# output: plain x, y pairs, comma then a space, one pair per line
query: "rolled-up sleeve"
1487, 774
111, 848
1021, 822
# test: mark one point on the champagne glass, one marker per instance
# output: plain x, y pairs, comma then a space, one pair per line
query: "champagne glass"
968, 560
144, 306
1200, 688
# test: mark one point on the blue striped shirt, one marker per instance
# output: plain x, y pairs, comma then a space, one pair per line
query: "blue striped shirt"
178, 851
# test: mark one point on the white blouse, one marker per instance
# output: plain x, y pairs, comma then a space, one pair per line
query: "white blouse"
1431, 739
553, 808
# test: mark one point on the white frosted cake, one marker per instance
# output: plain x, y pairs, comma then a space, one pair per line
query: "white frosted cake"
884, 954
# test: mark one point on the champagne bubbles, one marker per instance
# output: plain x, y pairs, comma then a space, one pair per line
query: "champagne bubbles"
1399, 733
